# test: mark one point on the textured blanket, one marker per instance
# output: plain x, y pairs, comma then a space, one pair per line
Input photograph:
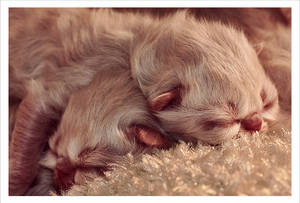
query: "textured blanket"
258, 164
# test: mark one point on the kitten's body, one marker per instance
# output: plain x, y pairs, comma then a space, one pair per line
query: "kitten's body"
200, 83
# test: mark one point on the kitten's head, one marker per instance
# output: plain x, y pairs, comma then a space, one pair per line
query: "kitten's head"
203, 80
102, 122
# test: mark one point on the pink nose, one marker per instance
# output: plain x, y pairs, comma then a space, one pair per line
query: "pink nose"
252, 122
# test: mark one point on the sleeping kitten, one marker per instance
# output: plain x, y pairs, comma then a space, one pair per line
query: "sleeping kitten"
102, 121
202, 80
98, 123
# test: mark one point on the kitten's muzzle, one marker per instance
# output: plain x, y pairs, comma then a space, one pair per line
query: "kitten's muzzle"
252, 122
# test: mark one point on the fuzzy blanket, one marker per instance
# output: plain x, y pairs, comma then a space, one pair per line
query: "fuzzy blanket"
258, 164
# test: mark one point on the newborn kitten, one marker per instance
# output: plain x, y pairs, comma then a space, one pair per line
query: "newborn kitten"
99, 123
103, 121
203, 80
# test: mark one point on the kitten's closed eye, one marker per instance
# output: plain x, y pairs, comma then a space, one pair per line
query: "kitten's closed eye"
209, 125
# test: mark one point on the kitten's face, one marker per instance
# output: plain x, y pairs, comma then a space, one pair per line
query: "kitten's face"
102, 121
219, 110
210, 85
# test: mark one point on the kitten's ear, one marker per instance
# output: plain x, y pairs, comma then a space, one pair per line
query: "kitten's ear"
149, 136
162, 101
259, 47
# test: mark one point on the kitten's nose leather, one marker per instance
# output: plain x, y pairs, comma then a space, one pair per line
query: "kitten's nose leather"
252, 122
